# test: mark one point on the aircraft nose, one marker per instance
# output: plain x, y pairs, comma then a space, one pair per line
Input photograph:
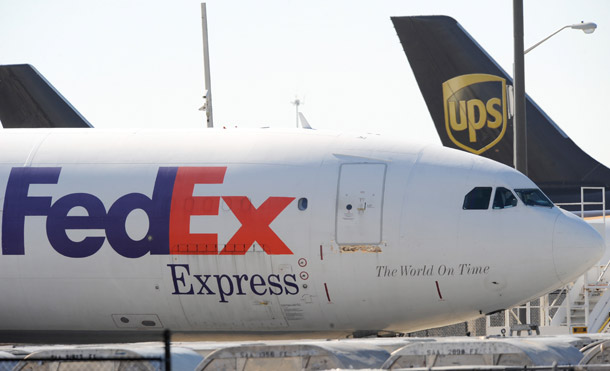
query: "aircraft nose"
576, 247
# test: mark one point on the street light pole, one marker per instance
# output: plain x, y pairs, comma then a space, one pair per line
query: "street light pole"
519, 123
519, 119
206, 69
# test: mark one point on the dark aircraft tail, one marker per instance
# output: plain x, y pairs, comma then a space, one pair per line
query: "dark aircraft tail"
28, 100
469, 98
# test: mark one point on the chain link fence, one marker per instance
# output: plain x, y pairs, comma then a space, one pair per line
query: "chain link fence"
100, 359
95, 364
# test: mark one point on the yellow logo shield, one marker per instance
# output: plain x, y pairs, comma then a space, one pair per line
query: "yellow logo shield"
475, 111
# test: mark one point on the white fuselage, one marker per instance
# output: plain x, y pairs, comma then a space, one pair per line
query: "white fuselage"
261, 230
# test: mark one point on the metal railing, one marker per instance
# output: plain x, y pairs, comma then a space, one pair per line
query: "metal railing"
584, 203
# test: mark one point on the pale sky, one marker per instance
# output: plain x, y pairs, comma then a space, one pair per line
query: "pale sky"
139, 63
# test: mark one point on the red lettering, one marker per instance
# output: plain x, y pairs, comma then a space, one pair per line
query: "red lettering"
184, 205
255, 225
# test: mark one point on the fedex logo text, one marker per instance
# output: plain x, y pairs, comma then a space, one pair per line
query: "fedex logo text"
168, 210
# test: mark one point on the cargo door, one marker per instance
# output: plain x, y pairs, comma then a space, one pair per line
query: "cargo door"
359, 203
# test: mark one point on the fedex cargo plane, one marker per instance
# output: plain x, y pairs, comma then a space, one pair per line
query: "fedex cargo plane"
123, 233
468, 95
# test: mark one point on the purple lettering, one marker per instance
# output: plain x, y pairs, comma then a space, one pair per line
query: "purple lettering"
17, 204
58, 222
177, 279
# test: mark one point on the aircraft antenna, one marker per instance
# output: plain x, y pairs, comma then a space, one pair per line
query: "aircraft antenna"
297, 102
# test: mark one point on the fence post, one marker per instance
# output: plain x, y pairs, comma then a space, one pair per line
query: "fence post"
167, 339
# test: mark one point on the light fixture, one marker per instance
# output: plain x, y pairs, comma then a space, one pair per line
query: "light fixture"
587, 28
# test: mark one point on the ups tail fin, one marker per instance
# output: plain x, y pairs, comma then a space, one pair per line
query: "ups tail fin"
467, 94
28, 100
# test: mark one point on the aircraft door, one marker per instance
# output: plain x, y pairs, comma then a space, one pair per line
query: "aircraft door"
359, 203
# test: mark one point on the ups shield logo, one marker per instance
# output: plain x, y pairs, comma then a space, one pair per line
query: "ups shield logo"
475, 111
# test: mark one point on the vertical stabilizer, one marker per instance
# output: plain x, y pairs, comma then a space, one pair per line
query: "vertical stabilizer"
468, 95
28, 100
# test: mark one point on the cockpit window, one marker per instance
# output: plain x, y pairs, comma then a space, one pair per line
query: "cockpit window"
477, 199
504, 199
533, 197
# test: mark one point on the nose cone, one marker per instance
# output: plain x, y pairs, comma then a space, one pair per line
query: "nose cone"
576, 247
